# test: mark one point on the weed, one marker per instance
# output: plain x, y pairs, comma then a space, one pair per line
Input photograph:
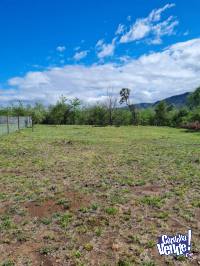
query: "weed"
88, 247
140, 182
64, 220
64, 203
162, 215
20, 236
196, 203
46, 221
180, 258
123, 262
134, 239
153, 201
45, 250
150, 244
111, 210
77, 254
98, 232
84, 210
6, 223
148, 263
94, 206
8, 263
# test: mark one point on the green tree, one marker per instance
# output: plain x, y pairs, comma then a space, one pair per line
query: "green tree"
74, 110
194, 98
195, 115
146, 116
59, 112
38, 113
122, 117
19, 110
161, 114
97, 116
180, 117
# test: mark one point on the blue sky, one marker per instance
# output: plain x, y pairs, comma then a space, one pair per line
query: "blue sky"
82, 48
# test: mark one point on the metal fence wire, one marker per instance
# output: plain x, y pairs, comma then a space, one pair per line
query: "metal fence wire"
10, 124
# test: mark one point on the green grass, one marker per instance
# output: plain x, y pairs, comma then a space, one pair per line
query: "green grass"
85, 190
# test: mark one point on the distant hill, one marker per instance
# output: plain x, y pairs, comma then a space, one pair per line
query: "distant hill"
177, 101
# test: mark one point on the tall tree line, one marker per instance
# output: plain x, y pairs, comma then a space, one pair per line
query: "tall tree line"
73, 111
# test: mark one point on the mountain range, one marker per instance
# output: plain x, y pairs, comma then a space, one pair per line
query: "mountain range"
176, 100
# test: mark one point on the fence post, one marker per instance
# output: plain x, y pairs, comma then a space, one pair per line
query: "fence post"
32, 124
8, 124
18, 122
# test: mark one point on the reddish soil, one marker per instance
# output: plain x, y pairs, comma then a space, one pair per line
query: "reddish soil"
46, 208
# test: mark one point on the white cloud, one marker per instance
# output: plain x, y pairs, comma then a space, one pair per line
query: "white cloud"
80, 55
151, 77
105, 50
151, 27
125, 58
138, 31
155, 14
61, 49
120, 29
166, 27
99, 43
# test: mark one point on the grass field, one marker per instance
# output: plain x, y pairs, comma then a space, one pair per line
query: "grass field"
80, 195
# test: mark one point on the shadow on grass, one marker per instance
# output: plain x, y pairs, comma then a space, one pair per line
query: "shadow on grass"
191, 130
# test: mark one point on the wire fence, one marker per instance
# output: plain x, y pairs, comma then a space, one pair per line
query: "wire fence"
10, 124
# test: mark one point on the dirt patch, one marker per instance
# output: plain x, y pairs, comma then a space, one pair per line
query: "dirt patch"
77, 200
10, 171
45, 209
197, 217
176, 225
197, 214
149, 190
26, 250
46, 260
2, 210
105, 250
63, 142
4, 206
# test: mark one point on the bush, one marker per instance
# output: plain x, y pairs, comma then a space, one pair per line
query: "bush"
192, 126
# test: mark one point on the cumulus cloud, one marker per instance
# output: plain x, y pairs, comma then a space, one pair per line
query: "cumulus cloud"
104, 49
151, 27
140, 29
80, 55
151, 77
61, 49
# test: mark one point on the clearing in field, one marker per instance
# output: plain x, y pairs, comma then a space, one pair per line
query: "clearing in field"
81, 195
